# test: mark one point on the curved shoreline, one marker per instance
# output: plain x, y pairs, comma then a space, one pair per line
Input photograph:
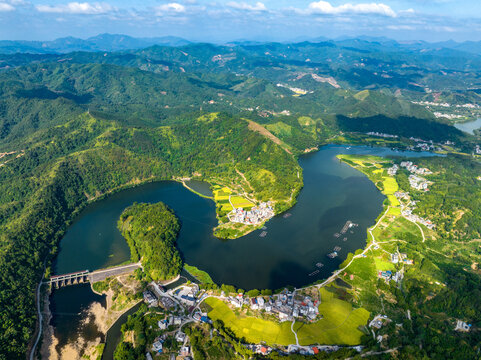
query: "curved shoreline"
134, 185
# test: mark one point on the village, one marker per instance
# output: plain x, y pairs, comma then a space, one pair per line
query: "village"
416, 182
183, 305
287, 306
255, 216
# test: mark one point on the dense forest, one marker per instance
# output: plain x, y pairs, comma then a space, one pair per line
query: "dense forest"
151, 231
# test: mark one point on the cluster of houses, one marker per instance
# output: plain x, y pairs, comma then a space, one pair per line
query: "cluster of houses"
158, 345
407, 210
392, 171
401, 258
259, 349
255, 216
379, 321
388, 276
446, 105
296, 349
426, 146
174, 300
414, 169
375, 133
417, 182
287, 305
150, 299
316, 349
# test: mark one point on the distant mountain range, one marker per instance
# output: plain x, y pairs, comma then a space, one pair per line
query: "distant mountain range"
102, 42
117, 42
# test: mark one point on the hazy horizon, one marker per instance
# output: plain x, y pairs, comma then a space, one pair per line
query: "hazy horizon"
221, 21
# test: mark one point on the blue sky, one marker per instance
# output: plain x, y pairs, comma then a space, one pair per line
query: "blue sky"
221, 20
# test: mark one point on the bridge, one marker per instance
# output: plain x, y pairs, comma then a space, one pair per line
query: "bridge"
84, 276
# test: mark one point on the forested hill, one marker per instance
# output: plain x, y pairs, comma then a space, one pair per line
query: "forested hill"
44, 95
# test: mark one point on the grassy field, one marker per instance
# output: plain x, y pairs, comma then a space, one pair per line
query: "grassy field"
339, 324
253, 329
200, 275
222, 194
239, 201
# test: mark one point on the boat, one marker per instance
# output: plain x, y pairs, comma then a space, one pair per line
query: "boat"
264, 228
262, 234
286, 215
314, 273
345, 239
332, 255
337, 235
337, 248
319, 265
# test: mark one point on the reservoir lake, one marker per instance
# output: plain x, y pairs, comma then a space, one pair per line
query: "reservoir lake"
333, 193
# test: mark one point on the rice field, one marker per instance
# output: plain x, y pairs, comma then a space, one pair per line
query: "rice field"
222, 194
339, 325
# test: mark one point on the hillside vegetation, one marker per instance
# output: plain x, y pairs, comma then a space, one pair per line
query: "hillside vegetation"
151, 232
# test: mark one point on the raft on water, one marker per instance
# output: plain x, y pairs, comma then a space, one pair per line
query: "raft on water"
314, 273
319, 265
262, 234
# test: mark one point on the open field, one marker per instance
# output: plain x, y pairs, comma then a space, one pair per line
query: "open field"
339, 324
238, 201
253, 329
221, 196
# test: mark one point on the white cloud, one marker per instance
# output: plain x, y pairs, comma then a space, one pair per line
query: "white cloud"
401, 27
324, 7
6, 7
258, 6
77, 8
170, 8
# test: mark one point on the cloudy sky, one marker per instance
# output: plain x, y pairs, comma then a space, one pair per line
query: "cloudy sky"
221, 20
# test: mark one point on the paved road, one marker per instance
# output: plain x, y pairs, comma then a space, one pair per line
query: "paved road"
40, 319
100, 275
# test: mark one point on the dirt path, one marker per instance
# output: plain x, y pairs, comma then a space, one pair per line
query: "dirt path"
264, 132
245, 179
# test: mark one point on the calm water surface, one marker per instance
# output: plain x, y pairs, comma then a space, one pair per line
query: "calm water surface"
333, 193
469, 127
